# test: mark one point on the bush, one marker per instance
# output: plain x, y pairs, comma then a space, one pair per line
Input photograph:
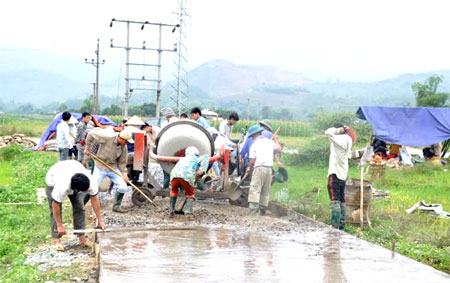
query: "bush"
316, 152
324, 120
10, 152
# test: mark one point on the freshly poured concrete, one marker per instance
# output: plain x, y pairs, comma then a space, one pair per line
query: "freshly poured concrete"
312, 253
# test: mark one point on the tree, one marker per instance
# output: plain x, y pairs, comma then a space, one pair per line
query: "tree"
427, 95
112, 110
62, 107
87, 104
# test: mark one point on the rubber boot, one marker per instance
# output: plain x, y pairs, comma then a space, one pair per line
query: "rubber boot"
117, 202
254, 208
335, 213
188, 207
172, 203
262, 210
343, 217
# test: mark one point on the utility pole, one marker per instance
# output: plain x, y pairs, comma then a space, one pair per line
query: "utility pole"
96, 64
129, 91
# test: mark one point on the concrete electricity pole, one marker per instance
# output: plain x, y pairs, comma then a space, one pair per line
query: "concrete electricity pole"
129, 91
96, 64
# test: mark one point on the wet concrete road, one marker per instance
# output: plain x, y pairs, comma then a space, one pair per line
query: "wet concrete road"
311, 254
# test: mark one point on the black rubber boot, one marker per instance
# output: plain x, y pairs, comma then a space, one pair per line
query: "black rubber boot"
117, 203
188, 207
172, 203
262, 210
343, 215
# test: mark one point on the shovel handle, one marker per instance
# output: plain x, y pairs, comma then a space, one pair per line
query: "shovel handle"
120, 175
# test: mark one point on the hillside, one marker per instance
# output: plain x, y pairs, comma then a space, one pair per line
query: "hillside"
39, 77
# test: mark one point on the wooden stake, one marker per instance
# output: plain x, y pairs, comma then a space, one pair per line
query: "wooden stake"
120, 175
361, 209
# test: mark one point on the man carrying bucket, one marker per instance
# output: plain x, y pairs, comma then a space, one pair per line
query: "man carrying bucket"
341, 140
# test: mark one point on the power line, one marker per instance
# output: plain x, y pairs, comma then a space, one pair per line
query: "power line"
129, 91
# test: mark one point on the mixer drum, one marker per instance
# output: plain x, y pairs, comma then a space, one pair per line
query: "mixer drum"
174, 138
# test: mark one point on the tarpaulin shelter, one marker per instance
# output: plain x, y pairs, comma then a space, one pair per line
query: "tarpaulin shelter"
409, 126
99, 121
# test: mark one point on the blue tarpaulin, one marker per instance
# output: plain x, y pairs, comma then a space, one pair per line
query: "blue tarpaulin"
410, 126
52, 127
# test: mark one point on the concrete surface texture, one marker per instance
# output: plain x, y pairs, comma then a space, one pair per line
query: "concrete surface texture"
226, 244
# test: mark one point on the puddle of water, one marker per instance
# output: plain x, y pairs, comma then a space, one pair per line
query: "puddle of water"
220, 255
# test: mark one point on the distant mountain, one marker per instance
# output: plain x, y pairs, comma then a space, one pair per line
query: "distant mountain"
223, 78
42, 77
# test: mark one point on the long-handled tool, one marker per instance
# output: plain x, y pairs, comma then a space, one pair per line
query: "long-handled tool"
120, 175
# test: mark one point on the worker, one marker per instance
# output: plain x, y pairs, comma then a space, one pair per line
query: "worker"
151, 131
260, 165
196, 114
226, 126
63, 136
81, 129
184, 116
113, 151
341, 139
170, 116
219, 141
245, 150
70, 178
184, 174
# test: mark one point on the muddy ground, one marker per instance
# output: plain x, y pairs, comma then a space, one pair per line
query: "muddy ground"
78, 263
206, 213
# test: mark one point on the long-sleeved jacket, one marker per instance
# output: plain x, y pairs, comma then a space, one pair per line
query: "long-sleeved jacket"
109, 150
340, 152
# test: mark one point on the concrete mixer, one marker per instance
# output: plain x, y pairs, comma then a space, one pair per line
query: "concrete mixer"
169, 147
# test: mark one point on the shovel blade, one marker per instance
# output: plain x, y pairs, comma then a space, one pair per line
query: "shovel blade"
235, 191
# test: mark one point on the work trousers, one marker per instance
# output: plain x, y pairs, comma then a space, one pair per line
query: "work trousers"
63, 153
336, 188
260, 185
77, 211
175, 185
99, 175
80, 149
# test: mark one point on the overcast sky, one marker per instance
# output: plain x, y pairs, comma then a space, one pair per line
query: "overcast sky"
346, 40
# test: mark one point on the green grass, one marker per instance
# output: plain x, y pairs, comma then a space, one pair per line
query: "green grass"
30, 125
420, 236
22, 228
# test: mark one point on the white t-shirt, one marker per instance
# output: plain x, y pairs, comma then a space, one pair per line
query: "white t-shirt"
340, 152
225, 129
59, 175
262, 150
63, 135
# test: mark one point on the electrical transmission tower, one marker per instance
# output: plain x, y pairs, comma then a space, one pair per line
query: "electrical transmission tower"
159, 49
96, 64
181, 81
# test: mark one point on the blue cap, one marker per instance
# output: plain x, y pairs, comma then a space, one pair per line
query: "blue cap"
254, 130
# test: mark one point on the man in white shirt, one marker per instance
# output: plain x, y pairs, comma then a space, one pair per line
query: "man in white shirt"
63, 137
226, 126
70, 178
341, 140
261, 163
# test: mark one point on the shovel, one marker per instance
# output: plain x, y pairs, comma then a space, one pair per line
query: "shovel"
235, 191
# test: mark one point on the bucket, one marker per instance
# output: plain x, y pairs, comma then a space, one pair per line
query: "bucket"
353, 201
281, 175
